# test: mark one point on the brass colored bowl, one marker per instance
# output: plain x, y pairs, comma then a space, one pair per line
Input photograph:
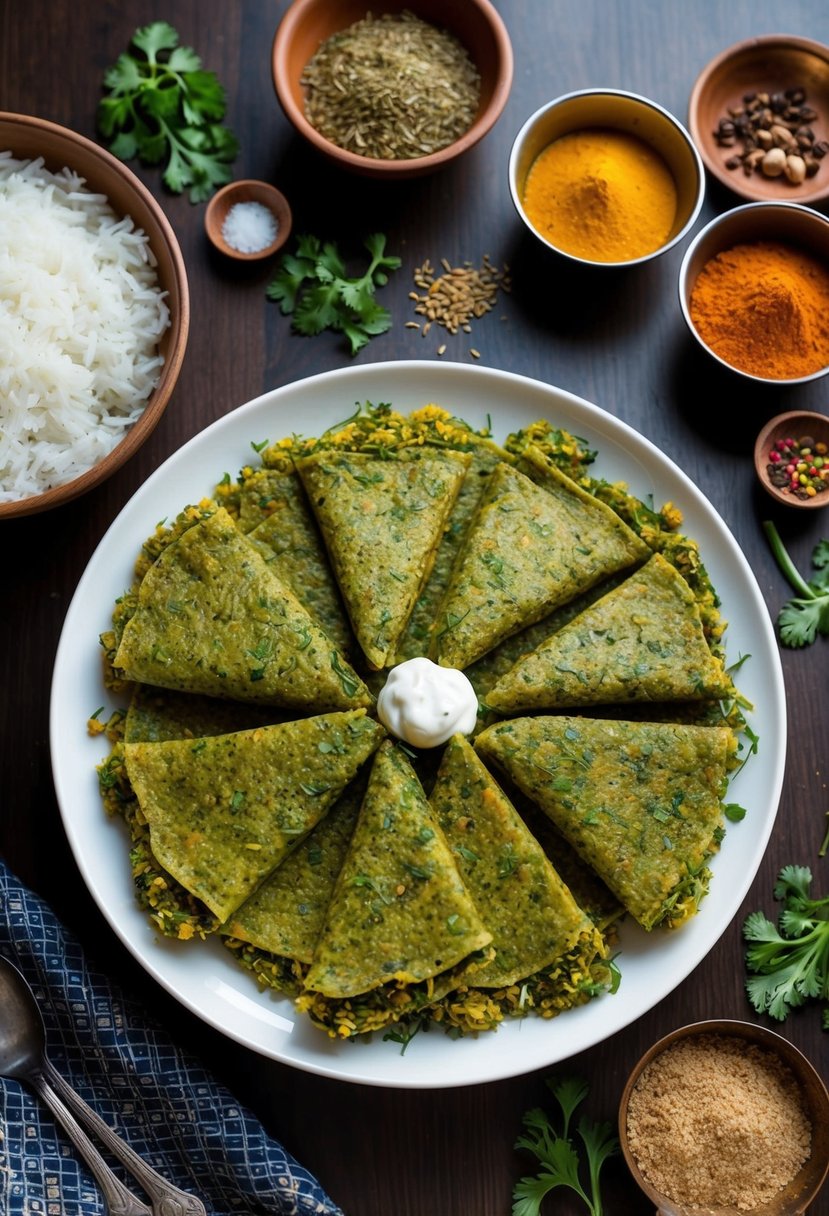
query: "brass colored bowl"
771, 64
475, 23
794, 1198
621, 111
27, 138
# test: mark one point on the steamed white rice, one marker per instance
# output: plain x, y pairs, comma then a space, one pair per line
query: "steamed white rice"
81, 314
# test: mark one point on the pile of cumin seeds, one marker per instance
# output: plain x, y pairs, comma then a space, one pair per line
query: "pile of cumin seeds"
391, 87
458, 295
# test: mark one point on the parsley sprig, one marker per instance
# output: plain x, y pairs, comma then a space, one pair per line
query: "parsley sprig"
162, 104
312, 286
807, 614
558, 1155
790, 961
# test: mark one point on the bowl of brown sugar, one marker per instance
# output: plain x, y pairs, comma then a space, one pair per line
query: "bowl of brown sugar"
723, 1118
754, 291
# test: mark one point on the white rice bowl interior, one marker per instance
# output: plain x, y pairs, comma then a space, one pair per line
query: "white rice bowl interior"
81, 315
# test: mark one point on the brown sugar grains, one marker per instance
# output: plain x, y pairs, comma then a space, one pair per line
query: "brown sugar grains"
715, 1121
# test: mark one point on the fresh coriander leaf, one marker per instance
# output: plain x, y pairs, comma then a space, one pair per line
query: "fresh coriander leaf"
312, 286
807, 614
163, 106
789, 962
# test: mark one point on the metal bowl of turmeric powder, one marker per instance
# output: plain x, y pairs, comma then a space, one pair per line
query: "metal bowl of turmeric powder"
606, 178
726, 1117
754, 291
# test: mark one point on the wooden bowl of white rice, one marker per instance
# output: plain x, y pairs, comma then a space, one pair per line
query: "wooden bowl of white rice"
94, 314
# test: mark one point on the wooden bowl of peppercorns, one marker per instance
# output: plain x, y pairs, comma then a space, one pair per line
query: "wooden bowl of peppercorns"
791, 456
759, 115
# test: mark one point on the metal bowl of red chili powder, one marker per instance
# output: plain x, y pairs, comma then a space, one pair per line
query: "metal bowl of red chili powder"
754, 291
726, 1117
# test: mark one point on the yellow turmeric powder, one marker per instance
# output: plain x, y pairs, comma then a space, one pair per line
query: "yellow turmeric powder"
602, 195
764, 309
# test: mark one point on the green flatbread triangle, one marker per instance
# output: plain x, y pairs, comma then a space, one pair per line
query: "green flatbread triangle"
400, 915
639, 801
643, 641
530, 913
224, 811
528, 550
275, 931
212, 618
382, 521
276, 517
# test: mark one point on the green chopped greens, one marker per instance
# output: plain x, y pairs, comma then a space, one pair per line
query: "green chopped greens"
312, 286
789, 962
559, 1156
161, 104
807, 614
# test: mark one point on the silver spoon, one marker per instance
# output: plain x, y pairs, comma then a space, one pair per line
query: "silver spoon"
23, 1057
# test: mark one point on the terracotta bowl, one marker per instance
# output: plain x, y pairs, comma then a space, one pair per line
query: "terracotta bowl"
797, 424
475, 23
770, 64
247, 192
789, 223
26, 138
794, 1198
621, 111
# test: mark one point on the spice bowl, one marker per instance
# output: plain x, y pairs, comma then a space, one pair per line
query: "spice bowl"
653, 136
240, 234
778, 464
475, 24
743, 95
743, 1089
760, 324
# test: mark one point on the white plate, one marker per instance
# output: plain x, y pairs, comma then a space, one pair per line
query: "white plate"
203, 975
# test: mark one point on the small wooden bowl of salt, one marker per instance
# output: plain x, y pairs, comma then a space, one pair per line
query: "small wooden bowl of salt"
723, 1118
248, 220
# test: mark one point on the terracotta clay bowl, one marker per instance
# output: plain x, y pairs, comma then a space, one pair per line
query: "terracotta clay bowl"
795, 1197
475, 23
797, 424
248, 191
770, 64
27, 138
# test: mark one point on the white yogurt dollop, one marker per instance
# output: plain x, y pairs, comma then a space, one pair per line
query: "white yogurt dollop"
425, 704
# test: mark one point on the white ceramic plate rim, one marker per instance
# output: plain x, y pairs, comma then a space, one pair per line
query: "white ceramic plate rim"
203, 975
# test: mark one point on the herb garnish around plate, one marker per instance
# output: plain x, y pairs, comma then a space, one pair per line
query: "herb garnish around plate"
790, 962
162, 103
558, 1156
312, 286
807, 614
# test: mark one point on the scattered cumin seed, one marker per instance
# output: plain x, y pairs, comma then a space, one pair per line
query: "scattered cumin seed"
476, 354
442, 348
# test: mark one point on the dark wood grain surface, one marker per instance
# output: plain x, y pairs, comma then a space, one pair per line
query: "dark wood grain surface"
617, 340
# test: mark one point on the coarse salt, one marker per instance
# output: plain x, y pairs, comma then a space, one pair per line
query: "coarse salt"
249, 227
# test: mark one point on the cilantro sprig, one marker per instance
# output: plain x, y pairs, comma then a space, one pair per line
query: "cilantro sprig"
807, 614
557, 1154
312, 286
790, 961
161, 104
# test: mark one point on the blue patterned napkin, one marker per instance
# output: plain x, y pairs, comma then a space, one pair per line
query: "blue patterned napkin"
159, 1099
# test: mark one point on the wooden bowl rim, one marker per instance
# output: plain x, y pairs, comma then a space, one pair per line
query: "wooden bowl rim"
278, 204
372, 166
147, 421
741, 186
761, 444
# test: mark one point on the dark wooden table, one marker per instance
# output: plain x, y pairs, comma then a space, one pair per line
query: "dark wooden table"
623, 346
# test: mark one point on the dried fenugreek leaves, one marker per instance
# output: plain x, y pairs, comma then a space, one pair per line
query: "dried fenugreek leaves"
774, 135
454, 298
